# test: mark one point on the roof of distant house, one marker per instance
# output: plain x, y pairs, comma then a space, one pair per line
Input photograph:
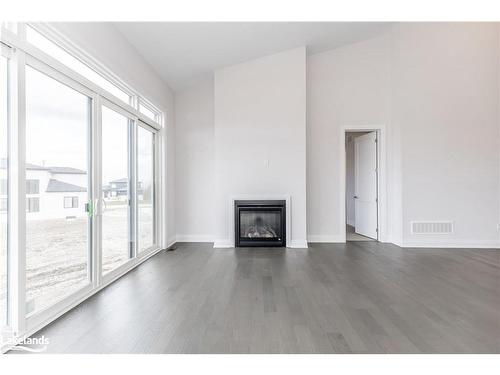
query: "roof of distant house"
120, 180
56, 186
66, 170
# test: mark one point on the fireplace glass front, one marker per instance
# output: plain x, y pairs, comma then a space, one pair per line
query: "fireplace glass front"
260, 223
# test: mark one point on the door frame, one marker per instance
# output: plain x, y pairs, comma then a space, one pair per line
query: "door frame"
24, 321
381, 178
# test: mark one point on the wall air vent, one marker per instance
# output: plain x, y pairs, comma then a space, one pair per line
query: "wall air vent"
431, 227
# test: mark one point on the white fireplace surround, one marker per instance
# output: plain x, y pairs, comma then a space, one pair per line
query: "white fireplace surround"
228, 242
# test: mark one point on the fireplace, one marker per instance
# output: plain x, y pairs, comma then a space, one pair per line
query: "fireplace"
260, 223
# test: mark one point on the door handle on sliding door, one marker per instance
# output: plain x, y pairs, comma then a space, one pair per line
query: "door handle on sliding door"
89, 208
100, 206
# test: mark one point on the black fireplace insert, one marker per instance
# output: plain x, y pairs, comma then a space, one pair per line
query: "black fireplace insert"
260, 223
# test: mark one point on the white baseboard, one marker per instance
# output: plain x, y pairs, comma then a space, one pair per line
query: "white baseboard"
302, 244
298, 244
171, 241
393, 240
452, 244
194, 238
223, 244
320, 238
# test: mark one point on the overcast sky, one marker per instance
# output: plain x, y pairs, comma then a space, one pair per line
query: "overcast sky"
57, 130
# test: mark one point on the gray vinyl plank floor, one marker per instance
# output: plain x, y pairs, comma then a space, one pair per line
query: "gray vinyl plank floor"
358, 297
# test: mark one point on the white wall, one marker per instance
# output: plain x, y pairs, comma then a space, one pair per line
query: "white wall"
445, 102
108, 46
260, 114
435, 89
194, 118
348, 86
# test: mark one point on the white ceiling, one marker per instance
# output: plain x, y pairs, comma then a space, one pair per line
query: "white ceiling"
183, 52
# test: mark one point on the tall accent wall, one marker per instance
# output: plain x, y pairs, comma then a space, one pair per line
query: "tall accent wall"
260, 138
194, 175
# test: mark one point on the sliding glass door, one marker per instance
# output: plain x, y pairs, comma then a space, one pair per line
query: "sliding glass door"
58, 123
116, 212
79, 183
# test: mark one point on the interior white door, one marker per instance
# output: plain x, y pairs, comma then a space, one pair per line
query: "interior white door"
365, 185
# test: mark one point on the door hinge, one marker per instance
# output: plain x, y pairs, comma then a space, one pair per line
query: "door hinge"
376, 230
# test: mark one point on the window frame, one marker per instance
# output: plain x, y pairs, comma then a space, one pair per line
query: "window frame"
155, 185
72, 204
43, 31
63, 42
21, 54
6, 325
151, 108
38, 316
131, 210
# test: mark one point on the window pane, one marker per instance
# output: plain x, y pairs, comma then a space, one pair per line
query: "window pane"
3, 191
145, 188
67, 202
57, 125
147, 112
52, 49
115, 190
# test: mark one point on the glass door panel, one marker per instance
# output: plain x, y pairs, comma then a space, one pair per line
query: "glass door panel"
145, 189
58, 122
115, 190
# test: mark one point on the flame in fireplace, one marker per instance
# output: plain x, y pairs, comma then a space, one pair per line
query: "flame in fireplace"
260, 230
